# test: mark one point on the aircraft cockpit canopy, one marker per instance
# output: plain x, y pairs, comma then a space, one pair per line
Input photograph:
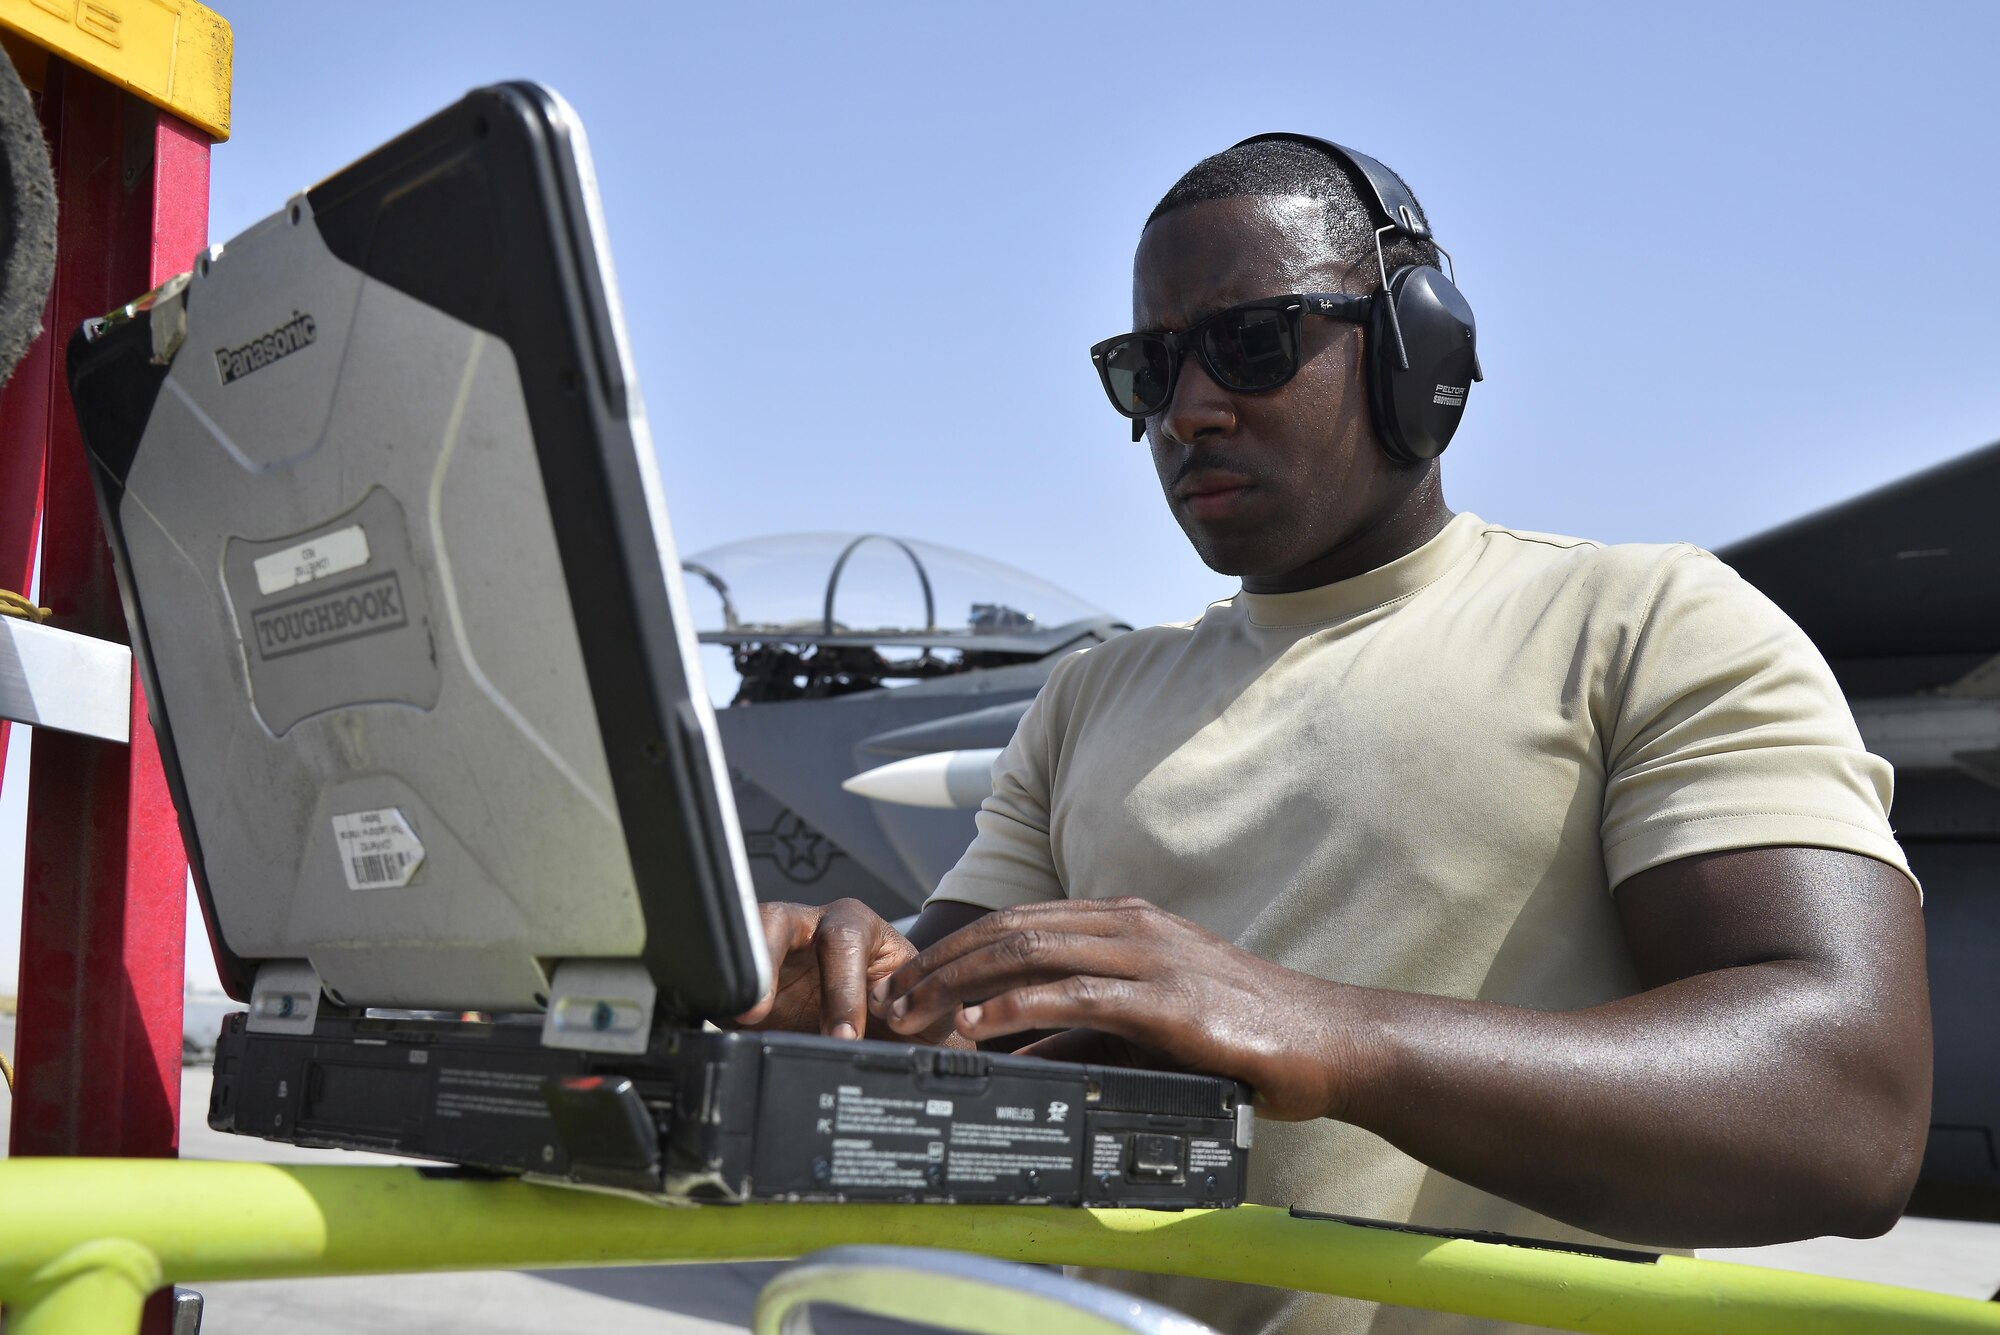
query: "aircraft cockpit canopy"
808, 614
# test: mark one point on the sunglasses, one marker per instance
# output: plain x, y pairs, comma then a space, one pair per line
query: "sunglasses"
1245, 349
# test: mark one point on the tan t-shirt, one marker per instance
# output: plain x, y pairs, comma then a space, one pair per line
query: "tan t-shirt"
1425, 778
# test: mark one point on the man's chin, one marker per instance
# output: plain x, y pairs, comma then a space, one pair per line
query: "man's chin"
1242, 554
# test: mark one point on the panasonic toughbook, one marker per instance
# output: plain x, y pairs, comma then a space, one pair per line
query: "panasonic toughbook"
396, 561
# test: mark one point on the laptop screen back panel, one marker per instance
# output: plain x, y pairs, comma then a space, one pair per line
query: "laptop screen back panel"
406, 596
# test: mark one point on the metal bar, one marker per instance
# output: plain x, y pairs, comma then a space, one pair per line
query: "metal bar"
950, 1289
227, 1221
99, 1288
58, 679
102, 914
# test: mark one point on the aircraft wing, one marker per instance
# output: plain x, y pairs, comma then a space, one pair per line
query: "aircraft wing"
1910, 570
1900, 589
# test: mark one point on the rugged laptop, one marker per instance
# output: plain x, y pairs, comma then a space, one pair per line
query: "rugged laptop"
398, 571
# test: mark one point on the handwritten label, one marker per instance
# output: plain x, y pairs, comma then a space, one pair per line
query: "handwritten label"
328, 554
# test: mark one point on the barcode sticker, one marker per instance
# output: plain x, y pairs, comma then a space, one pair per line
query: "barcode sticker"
378, 849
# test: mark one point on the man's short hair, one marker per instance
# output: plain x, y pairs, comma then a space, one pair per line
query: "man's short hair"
1280, 167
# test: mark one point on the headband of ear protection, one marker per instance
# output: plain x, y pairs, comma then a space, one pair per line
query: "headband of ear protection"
1422, 351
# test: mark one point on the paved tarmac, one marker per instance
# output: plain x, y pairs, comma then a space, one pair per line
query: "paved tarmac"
1943, 1256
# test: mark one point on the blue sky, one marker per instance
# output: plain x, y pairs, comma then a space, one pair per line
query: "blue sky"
1730, 263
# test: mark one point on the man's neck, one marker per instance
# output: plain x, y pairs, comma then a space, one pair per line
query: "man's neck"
1418, 517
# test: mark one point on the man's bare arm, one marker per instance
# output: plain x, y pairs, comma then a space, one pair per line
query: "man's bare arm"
1772, 1082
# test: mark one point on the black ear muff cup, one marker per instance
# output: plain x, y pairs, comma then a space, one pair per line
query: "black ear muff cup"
1417, 410
27, 220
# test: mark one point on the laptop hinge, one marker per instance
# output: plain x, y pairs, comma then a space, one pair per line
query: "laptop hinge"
284, 999
600, 1006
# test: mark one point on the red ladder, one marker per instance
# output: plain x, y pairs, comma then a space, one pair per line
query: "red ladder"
102, 923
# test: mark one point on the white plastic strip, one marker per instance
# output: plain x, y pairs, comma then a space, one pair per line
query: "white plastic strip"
58, 679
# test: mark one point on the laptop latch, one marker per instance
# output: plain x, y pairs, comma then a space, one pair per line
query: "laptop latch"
608, 1132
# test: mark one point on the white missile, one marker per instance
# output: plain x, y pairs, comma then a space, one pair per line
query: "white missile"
942, 779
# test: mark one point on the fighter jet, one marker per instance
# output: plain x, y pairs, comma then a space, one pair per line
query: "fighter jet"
852, 652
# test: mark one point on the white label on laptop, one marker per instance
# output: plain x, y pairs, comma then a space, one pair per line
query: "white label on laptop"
378, 850
328, 554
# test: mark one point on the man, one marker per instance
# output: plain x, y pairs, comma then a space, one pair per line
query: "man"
1533, 885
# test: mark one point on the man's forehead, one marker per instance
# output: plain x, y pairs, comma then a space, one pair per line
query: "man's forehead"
1203, 257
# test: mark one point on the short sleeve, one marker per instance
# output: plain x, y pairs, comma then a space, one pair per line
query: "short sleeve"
1730, 732
1010, 861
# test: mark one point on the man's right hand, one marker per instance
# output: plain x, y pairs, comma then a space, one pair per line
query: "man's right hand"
825, 960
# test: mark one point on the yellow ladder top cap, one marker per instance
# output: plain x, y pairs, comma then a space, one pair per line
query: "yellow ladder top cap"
175, 54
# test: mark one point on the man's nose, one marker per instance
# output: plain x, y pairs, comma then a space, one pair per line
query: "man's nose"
1200, 407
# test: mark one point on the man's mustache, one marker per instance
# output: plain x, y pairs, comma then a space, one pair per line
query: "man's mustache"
1204, 460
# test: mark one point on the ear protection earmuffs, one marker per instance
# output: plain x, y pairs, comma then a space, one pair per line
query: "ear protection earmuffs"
1422, 350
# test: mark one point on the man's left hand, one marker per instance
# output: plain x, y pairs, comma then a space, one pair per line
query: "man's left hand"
1129, 970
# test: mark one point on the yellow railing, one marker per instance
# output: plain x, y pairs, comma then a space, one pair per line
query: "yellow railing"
82, 1241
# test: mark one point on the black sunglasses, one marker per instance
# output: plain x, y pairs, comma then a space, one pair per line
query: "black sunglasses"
1245, 349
